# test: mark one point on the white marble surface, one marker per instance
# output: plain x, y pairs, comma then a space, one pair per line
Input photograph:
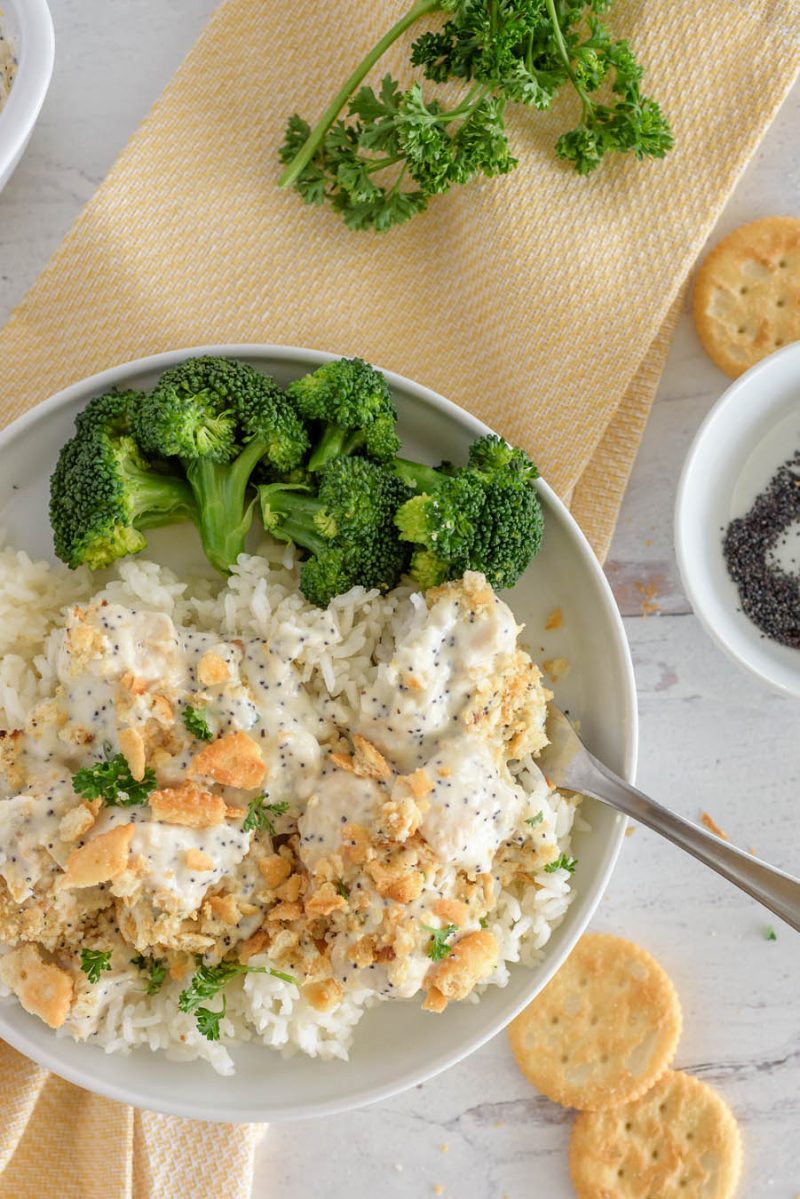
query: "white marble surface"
710, 739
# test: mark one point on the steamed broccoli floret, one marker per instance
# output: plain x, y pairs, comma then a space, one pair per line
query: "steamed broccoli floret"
104, 492
222, 419
347, 527
353, 402
485, 516
110, 412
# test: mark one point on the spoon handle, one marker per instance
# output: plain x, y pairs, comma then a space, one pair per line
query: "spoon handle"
776, 890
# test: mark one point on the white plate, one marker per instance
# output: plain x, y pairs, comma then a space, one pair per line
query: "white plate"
27, 23
396, 1044
751, 430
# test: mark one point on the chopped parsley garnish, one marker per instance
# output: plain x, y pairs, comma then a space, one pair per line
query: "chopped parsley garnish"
196, 722
437, 946
259, 814
208, 1020
207, 982
562, 863
484, 922
156, 971
533, 821
111, 780
770, 934
94, 962
343, 890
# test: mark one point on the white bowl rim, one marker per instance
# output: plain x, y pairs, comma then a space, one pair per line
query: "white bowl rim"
34, 71
722, 411
48, 1057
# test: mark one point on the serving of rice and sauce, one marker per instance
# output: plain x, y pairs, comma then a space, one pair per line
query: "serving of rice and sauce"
230, 816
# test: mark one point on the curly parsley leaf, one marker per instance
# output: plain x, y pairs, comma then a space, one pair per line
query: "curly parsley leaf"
562, 863
94, 962
111, 780
207, 982
377, 156
156, 971
196, 721
260, 813
536, 820
437, 946
208, 1021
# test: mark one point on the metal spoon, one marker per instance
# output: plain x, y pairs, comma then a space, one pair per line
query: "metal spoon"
568, 763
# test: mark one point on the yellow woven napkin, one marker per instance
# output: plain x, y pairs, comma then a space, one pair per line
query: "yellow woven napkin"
542, 302
60, 1142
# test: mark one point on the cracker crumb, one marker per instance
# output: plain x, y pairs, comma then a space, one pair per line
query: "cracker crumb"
188, 805
648, 592
710, 823
555, 620
212, 669
233, 760
556, 668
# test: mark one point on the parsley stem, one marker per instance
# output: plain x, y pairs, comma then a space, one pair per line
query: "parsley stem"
378, 164
304, 155
396, 185
473, 98
561, 45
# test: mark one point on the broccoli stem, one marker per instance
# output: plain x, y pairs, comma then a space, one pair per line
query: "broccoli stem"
158, 499
223, 514
421, 478
296, 512
333, 443
304, 155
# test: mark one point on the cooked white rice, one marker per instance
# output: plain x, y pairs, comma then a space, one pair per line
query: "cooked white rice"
337, 650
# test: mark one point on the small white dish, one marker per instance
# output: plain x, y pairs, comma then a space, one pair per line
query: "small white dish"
751, 430
29, 26
397, 1045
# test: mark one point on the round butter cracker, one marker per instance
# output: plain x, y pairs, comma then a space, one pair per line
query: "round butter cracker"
747, 293
678, 1141
603, 1030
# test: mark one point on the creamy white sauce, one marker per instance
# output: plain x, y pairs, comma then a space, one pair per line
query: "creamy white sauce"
8, 67
28, 827
419, 695
290, 724
340, 798
474, 805
163, 848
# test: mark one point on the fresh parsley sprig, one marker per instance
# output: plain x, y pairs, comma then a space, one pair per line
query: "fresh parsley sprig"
379, 163
196, 721
207, 982
111, 780
156, 971
94, 962
260, 813
437, 946
564, 862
